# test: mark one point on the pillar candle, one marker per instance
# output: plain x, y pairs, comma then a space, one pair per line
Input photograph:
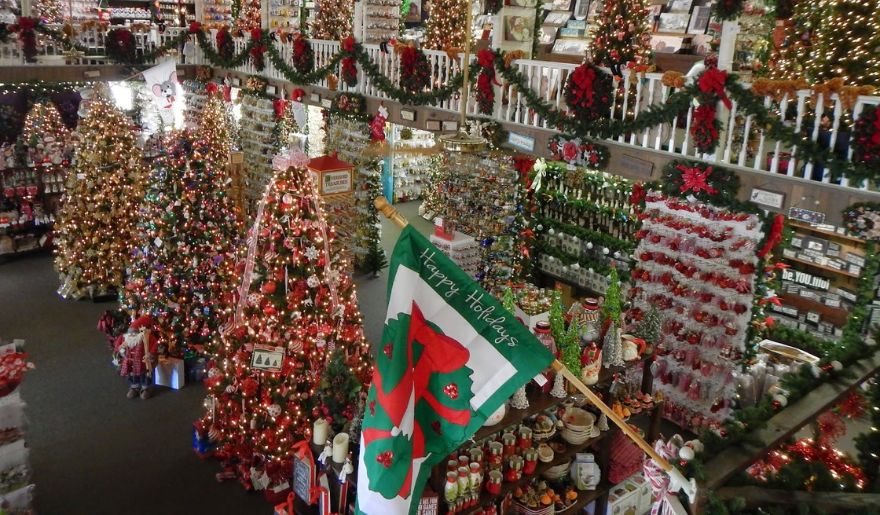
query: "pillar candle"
319, 432
340, 447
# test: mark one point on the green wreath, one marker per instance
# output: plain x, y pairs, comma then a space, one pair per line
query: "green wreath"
588, 93
705, 182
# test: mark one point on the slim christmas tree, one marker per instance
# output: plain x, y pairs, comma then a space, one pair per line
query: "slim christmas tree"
446, 23
99, 213
333, 20
295, 304
622, 35
189, 236
846, 43
612, 347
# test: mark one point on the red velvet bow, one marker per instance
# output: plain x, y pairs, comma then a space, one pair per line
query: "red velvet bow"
297, 94
348, 44
774, 237
704, 115
256, 33
583, 77
712, 81
24, 24
195, 27
486, 58
696, 180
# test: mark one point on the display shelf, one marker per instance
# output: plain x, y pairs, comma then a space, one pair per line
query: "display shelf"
284, 14
216, 13
836, 316
413, 154
831, 234
381, 20
822, 267
257, 142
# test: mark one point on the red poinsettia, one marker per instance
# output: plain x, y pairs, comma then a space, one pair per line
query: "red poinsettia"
195, 27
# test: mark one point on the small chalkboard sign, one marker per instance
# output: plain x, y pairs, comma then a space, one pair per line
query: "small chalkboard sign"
303, 475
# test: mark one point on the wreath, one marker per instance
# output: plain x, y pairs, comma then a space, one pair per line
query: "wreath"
414, 69
862, 220
588, 93
703, 181
27, 36
225, 45
258, 49
705, 125
351, 104
728, 9
575, 151
866, 139
303, 55
485, 90
120, 45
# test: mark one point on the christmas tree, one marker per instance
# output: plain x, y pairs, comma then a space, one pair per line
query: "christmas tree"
446, 24
189, 234
622, 35
49, 11
793, 48
846, 43
248, 15
99, 212
333, 20
339, 391
649, 328
296, 304
612, 347
44, 137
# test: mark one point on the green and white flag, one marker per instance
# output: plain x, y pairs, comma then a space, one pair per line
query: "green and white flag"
450, 356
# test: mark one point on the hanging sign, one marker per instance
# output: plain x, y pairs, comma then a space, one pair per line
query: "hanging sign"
268, 358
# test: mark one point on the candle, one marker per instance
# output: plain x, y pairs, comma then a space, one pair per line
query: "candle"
319, 431
340, 447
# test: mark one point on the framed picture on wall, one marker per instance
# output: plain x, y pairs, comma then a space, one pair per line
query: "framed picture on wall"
699, 20
519, 28
673, 22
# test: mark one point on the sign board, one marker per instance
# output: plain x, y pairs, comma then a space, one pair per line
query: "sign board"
432, 125
521, 141
330, 183
268, 358
637, 166
406, 114
805, 279
302, 477
767, 198
805, 215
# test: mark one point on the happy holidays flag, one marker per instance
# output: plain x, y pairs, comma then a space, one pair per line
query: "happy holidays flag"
450, 356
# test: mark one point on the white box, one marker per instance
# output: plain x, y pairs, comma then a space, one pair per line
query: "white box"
531, 321
631, 497
169, 372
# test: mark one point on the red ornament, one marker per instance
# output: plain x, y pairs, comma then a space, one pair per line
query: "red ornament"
451, 390
268, 287
249, 387
385, 458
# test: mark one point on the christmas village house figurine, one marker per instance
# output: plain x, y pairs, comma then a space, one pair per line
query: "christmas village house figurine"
135, 352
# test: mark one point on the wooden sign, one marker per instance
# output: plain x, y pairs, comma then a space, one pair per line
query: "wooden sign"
331, 175
805, 279
268, 358
767, 198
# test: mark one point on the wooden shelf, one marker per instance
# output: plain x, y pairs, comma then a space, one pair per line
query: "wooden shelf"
538, 402
831, 234
822, 267
835, 316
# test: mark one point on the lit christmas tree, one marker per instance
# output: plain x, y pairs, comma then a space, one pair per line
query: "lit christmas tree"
248, 15
184, 267
788, 59
446, 23
333, 20
48, 10
297, 307
622, 35
99, 213
846, 43
44, 137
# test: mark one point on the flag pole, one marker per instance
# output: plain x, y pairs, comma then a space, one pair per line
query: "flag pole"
678, 480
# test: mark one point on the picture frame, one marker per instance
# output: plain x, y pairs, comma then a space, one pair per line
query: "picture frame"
806, 215
519, 28
699, 20
680, 6
557, 18
666, 44
673, 23
570, 47
267, 358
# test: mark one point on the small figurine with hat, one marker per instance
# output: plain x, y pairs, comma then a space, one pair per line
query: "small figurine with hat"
135, 353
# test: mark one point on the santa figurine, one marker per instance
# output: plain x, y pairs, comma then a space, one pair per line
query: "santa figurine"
136, 355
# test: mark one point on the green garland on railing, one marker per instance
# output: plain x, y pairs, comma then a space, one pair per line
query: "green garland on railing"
599, 239
215, 58
585, 262
295, 77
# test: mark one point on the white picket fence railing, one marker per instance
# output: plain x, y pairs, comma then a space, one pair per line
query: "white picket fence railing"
742, 143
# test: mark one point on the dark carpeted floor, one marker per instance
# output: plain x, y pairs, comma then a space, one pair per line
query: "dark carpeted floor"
93, 451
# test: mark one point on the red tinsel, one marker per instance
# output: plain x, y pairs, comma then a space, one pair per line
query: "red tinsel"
775, 236
853, 407
831, 427
486, 81
704, 128
712, 82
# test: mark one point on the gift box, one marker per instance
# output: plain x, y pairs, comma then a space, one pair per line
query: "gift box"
170, 372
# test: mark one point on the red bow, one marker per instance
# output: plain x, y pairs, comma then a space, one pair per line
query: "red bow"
694, 179
195, 27
24, 24
486, 58
774, 237
875, 138
523, 165
348, 44
256, 33
583, 77
297, 94
279, 105
712, 81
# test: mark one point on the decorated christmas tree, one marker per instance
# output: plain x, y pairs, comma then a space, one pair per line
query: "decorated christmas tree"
622, 35
649, 328
248, 15
189, 235
214, 131
612, 347
339, 391
48, 10
44, 137
296, 307
846, 43
333, 20
793, 45
446, 24
99, 214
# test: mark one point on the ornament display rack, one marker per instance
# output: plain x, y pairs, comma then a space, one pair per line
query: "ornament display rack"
284, 14
818, 291
15, 486
28, 207
413, 153
381, 20
82, 10
751, 40
257, 125
479, 195
171, 11
129, 11
350, 138
217, 12
194, 93
586, 224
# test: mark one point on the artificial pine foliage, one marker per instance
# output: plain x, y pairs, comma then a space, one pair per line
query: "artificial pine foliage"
611, 306
299, 302
508, 300
339, 391
99, 214
183, 273
868, 443
789, 59
649, 328
847, 43
622, 35
445, 27
333, 20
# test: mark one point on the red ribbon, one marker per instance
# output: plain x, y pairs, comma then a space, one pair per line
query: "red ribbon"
694, 179
774, 237
279, 105
256, 33
348, 44
583, 77
486, 58
712, 82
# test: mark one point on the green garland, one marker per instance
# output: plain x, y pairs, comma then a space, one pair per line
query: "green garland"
597, 238
585, 262
216, 59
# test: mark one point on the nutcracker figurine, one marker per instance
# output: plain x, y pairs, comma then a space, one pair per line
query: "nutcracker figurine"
136, 354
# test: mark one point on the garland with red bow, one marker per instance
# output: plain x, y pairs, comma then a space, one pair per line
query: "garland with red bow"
775, 236
588, 92
580, 152
258, 49
225, 45
414, 69
705, 125
485, 90
866, 140
349, 69
26, 35
705, 182
303, 57
121, 45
